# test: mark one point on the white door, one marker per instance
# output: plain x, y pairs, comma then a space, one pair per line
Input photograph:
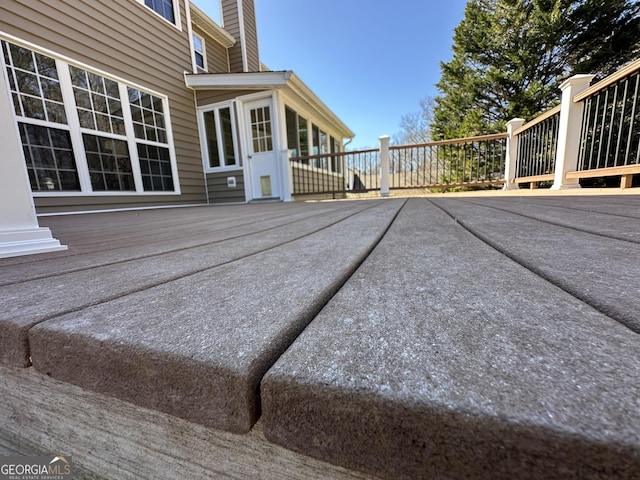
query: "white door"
262, 156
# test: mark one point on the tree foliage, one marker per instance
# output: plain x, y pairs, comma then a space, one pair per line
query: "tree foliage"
416, 126
510, 56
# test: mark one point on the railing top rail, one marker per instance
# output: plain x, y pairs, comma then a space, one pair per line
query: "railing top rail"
624, 72
539, 119
482, 138
332, 155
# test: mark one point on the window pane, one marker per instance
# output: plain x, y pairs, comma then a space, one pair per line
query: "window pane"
227, 137
212, 139
292, 131
114, 171
162, 7
49, 157
303, 136
97, 101
33, 81
155, 167
199, 59
261, 129
147, 111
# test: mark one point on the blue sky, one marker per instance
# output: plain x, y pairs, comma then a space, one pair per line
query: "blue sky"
370, 61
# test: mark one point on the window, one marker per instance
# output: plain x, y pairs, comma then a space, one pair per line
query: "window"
98, 147
261, 129
303, 136
336, 162
219, 137
49, 156
322, 143
97, 101
109, 163
292, 132
199, 51
164, 8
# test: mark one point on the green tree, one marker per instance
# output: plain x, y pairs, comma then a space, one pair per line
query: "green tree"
510, 56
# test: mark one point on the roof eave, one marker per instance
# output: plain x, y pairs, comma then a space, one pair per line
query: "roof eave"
238, 81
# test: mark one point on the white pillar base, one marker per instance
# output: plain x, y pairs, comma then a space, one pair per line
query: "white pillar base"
565, 187
27, 242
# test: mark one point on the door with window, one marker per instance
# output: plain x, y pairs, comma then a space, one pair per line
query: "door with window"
262, 155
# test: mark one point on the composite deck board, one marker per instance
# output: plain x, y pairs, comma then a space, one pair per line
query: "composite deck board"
122, 243
455, 349
442, 358
27, 303
197, 344
587, 263
614, 220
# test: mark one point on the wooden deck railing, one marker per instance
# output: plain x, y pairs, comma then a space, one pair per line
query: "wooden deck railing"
594, 132
464, 162
603, 142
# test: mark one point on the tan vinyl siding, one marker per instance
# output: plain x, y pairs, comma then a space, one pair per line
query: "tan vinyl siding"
217, 55
219, 191
251, 35
124, 39
209, 97
231, 23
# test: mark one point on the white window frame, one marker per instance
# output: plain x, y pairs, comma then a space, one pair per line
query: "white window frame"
76, 132
216, 107
204, 67
176, 13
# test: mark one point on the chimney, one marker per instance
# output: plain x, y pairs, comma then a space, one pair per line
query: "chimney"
239, 19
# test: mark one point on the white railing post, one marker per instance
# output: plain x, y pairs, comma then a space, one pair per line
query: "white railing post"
569, 132
384, 165
511, 159
20, 233
287, 176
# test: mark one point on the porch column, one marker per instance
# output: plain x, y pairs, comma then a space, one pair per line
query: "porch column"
569, 132
384, 165
20, 233
512, 154
287, 176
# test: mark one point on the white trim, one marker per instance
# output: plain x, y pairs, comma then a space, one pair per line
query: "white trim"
176, 13
230, 81
194, 66
204, 148
203, 42
126, 209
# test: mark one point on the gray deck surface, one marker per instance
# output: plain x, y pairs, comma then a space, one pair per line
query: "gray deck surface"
476, 337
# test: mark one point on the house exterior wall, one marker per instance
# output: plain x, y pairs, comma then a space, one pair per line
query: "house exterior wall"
209, 97
128, 41
219, 190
